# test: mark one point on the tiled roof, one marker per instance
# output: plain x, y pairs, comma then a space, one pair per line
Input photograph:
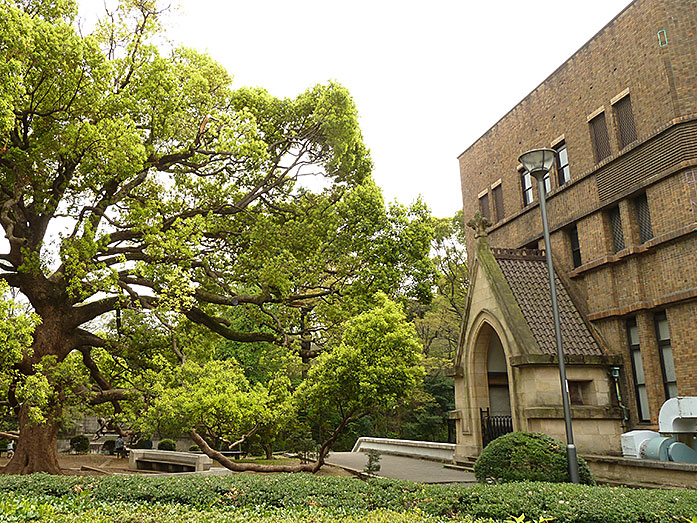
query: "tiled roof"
526, 273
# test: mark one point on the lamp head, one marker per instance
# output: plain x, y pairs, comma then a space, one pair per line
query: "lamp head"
538, 162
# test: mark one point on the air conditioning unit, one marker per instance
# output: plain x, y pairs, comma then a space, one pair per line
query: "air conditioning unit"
632, 442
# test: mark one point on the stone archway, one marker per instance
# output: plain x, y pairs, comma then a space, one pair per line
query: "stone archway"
491, 392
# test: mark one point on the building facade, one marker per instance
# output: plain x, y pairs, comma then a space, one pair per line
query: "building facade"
622, 199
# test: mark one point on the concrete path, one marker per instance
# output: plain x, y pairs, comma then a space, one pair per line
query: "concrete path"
399, 467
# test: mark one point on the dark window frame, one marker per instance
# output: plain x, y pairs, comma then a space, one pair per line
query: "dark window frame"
600, 137
576, 258
643, 216
616, 229
624, 120
499, 207
635, 349
527, 190
484, 206
663, 344
563, 171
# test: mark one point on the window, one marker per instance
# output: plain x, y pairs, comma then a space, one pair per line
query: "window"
641, 206
575, 246
498, 202
484, 205
532, 245
563, 173
548, 183
599, 137
666, 352
616, 229
578, 390
526, 182
642, 398
626, 132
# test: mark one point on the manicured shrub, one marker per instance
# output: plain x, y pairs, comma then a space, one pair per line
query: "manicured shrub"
143, 444
527, 456
194, 448
80, 444
167, 444
108, 446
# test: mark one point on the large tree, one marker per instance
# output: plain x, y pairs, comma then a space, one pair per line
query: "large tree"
136, 180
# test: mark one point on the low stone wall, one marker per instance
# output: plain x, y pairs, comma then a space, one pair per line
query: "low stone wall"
642, 472
168, 461
405, 447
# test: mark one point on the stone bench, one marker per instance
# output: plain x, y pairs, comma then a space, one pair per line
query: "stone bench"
168, 461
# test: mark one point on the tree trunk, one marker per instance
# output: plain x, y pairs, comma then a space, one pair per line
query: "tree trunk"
268, 450
36, 449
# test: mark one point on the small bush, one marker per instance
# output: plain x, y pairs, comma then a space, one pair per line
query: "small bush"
108, 446
194, 448
167, 444
143, 444
373, 464
527, 456
80, 444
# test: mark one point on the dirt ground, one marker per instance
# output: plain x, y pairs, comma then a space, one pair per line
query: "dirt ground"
100, 464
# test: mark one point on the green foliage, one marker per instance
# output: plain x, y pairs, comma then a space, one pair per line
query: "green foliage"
166, 444
377, 363
194, 448
143, 444
373, 464
283, 494
80, 444
215, 399
527, 456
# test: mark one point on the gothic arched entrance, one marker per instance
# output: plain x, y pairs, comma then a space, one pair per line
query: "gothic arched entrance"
494, 392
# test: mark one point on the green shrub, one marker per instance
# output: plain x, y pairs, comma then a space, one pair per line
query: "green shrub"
194, 448
527, 456
143, 444
80, 444
167, 444
281, 493
108, 446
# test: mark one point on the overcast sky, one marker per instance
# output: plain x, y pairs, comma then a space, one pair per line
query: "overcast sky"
428, 78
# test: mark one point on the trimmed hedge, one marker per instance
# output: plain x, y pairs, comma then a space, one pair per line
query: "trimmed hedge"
167, 444
80, 444
527, 456
565, 503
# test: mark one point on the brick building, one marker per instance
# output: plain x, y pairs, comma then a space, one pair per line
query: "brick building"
622, 204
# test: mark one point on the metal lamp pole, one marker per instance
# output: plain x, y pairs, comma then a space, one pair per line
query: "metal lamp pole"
538, 162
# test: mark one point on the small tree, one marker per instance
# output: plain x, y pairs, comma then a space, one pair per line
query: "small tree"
377, 364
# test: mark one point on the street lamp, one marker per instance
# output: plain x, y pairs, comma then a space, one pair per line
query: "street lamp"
538, 162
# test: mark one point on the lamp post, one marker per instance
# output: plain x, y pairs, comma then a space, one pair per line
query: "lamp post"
538, 162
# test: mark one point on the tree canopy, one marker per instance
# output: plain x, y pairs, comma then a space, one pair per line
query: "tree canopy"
136, 181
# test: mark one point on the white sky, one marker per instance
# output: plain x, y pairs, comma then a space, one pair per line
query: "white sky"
428, 78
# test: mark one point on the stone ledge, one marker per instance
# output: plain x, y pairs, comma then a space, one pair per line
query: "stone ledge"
570, 359
403, 447
577, 412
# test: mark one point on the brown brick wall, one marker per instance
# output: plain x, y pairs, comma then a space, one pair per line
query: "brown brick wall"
642, 279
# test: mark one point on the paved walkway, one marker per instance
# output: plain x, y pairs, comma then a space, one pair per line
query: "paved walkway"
399, 467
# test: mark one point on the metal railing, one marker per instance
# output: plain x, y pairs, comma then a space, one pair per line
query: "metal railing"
494, 426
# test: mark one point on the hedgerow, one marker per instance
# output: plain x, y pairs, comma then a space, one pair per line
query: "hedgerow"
347, 497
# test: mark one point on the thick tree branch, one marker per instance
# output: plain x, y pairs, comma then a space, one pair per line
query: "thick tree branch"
198, 316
